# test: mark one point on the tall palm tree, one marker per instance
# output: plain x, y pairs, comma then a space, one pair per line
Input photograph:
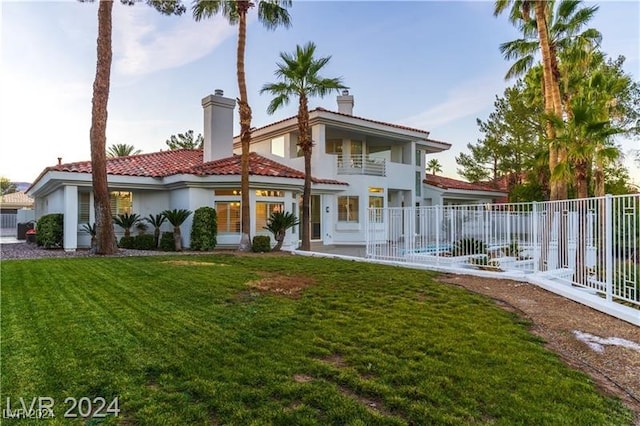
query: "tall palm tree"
434, 166
105, 239
547, 32
122, 150
272, 14
176, 217
299, 75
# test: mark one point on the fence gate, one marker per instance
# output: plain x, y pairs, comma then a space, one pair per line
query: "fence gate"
8, 224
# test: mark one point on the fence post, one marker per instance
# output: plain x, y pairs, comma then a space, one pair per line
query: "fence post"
608, 245
536, 251
437, 229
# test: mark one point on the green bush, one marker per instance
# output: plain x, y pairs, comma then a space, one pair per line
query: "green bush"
144, 242
50, 230
126, 242
167, 243
204, 229
261, 244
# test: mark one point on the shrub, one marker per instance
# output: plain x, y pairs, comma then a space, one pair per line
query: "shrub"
167, 242
261, 244
50, 230
126, 242
144, 242
468, 246
204, 229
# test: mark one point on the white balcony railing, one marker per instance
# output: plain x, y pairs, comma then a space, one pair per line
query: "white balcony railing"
360, 164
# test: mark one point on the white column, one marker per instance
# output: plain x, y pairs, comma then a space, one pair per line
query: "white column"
70, 242
252, 216
318, 159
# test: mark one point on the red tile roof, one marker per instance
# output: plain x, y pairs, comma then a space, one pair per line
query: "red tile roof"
258, 165
186, 161
320, 109
155, 164
16, 200
449, 183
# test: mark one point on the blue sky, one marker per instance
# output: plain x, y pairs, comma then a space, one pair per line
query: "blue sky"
432, 65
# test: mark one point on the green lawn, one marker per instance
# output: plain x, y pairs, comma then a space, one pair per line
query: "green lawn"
192, 343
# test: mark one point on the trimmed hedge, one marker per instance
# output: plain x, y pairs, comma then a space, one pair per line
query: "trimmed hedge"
50, 230
167, 243
204, 229
126, 242
144, 242
261, 244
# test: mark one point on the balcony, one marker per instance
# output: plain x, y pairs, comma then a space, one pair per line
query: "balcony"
360, 164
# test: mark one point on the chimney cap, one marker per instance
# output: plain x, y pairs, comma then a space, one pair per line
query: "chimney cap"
59, 161
345, 92
218, 92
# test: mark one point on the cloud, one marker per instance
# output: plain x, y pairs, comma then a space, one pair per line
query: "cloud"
146, 42
465, 100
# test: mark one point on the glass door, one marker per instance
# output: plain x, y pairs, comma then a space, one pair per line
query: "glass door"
315, 217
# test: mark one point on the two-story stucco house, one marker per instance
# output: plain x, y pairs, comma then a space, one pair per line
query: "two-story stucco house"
357, 163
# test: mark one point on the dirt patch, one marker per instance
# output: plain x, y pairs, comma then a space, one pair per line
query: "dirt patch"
615, 368
192, 263
336, 360
302, 378
287, 285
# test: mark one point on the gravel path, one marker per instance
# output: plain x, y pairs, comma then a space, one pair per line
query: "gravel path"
32, 251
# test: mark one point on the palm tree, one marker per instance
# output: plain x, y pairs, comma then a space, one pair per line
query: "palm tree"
278, 224
434, 166
156, 221
272, 14
176, 217
299, 75
185, 140
122, 150
105, 239
126, 221
547, 33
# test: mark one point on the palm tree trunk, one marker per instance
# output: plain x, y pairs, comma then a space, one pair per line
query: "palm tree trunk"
553, 105
177, 238
156, 236
599, 175
305, 142
105, 237
548, 80
279, 241
245, 128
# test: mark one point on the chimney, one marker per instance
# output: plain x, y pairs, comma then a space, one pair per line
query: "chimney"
218, 126
345, 103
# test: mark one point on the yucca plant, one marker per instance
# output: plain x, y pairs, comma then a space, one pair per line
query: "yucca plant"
91, 230
278, 224
176, 217
126, 221
156, 221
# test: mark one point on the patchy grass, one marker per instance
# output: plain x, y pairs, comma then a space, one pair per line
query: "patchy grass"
218, 340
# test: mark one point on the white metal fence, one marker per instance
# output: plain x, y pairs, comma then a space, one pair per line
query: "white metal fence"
589, 243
